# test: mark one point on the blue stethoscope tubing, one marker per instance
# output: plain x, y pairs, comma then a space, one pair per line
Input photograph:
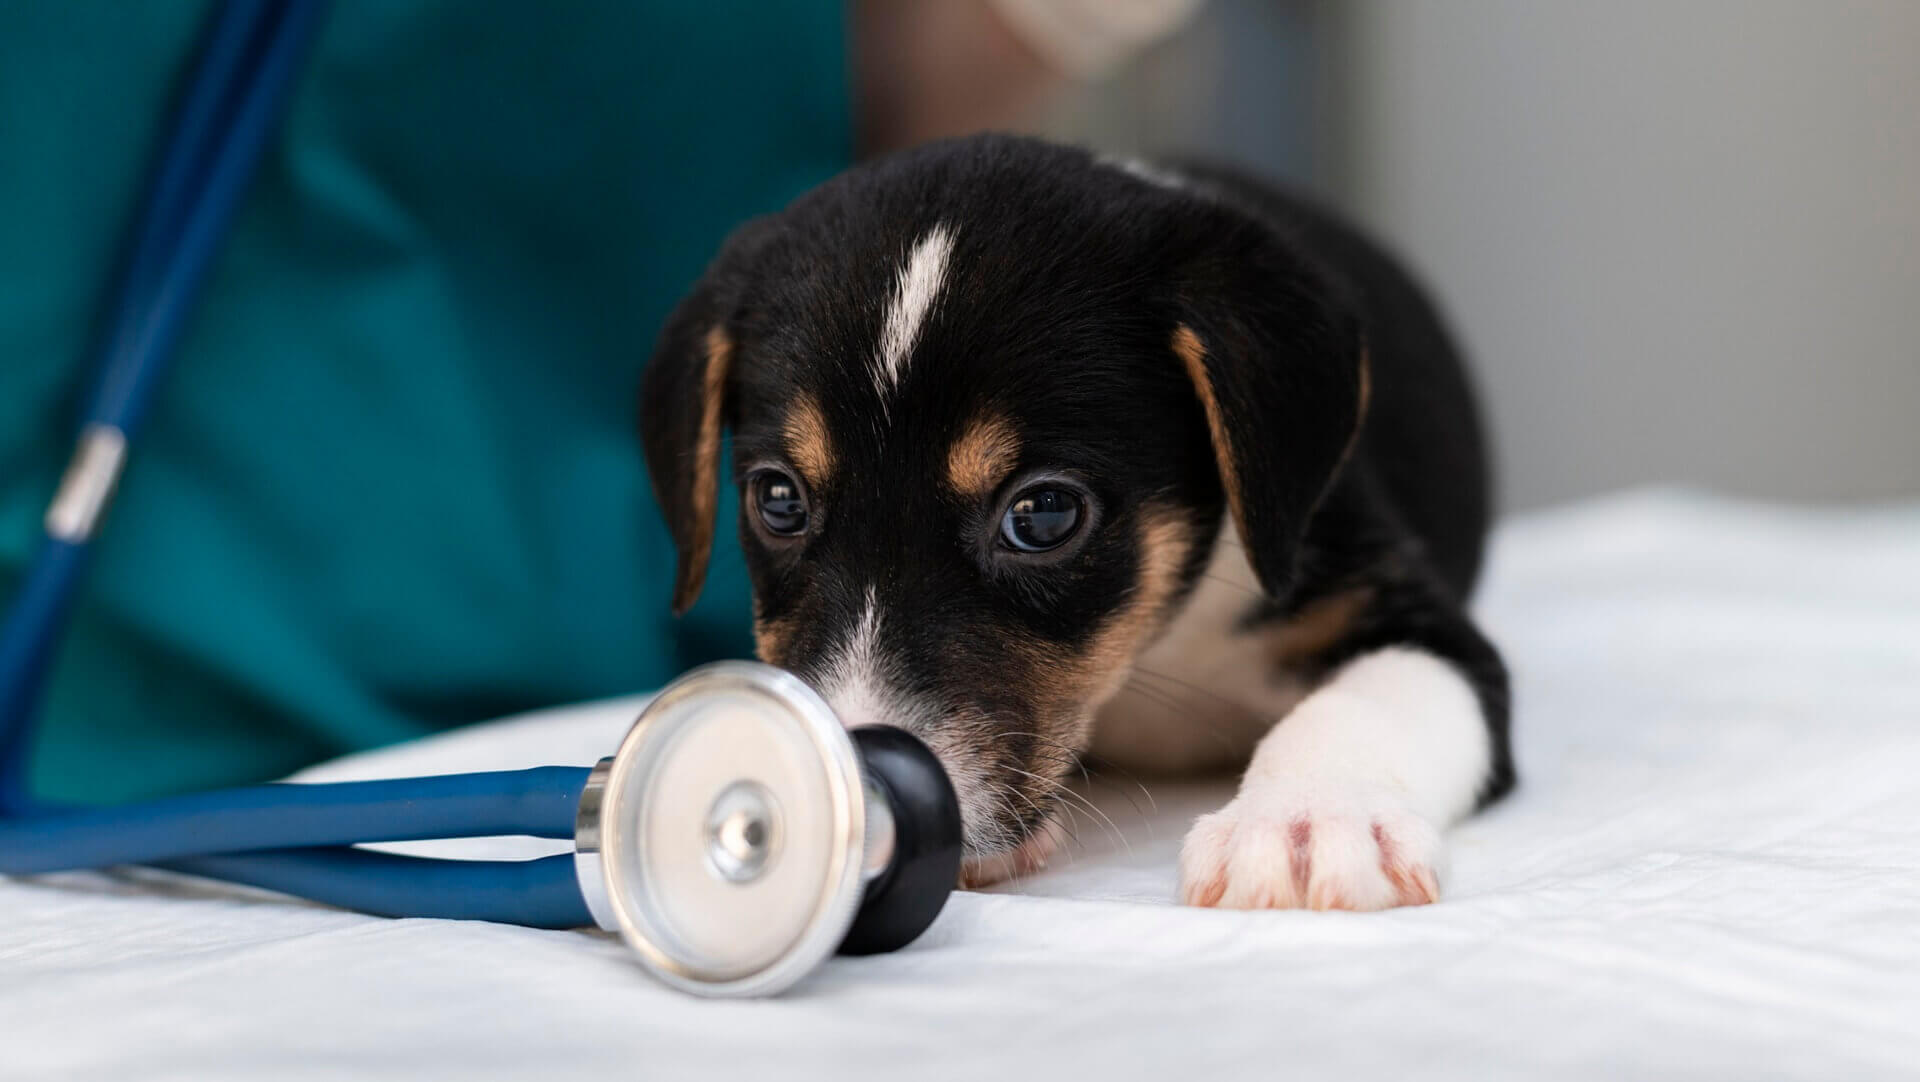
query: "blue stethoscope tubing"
293, 839
252, 50
238, 835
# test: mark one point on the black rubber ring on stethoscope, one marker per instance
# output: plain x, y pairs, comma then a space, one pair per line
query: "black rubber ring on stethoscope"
902, 901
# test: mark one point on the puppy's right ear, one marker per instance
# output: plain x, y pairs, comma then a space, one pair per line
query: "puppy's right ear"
683, 406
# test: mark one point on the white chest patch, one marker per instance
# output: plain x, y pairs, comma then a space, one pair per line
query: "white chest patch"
1202, 695
916, 287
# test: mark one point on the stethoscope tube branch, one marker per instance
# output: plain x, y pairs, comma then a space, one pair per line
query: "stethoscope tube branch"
540, 802
540, 893
28, 639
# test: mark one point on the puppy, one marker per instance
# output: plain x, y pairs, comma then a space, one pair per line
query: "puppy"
1043, 455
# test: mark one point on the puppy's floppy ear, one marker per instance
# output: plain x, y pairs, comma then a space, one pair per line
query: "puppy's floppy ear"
1275, 355
683, 405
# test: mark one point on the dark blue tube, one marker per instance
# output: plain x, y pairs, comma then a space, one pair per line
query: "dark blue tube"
27, 642
249, 57
175, 251
274, 837
541, 893
541, 802
229, 57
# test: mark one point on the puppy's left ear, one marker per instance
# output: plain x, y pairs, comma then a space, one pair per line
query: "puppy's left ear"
683, 402
1275, 354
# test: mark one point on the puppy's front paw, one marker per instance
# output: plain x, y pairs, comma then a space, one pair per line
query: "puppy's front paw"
1283, 850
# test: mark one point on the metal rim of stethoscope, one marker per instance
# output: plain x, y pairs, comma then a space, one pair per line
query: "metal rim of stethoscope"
626, 843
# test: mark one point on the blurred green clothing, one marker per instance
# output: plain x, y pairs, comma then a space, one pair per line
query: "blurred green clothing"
393, 482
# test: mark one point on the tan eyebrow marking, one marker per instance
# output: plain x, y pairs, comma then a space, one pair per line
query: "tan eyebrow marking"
983, 456
808, 441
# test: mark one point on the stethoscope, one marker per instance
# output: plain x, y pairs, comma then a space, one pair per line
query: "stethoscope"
737, 837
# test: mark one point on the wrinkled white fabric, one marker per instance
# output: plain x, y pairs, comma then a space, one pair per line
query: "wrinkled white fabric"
1712, 869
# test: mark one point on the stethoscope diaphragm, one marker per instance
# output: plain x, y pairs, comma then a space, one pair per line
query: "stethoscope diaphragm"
733, 837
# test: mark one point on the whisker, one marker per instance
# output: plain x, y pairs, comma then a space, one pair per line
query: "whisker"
1197, 689
1235, 706
1164, 700
1041, 818
1097, 776
1003, 844
1100, 769
1156, 696
1054, 751
1069, 795
1259, 595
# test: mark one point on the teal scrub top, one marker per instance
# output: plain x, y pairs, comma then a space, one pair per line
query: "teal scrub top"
393, 483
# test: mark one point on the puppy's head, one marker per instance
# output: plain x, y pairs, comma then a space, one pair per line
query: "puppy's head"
991, 402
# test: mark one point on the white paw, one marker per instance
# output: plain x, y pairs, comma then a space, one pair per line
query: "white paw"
1278, 848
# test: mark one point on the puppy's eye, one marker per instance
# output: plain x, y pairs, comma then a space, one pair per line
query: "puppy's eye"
1040, 519
781, 506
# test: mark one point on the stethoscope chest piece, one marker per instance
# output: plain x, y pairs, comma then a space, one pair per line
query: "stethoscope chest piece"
732, 837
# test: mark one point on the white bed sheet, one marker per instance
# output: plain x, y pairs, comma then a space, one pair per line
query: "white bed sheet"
1712, 870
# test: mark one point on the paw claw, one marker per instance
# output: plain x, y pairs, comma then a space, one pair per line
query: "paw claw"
1203, 872
1276, 851
1413, 883
1205, 894
1300, 837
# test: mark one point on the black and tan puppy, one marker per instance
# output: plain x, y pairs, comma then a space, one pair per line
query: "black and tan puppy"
1043, 455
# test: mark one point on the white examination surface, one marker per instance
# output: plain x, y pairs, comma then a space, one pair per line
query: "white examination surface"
1711, 869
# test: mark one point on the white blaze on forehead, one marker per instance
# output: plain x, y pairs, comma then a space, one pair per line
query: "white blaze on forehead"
915, 289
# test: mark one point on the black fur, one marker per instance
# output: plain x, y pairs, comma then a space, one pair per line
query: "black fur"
1067, 281
1409, 514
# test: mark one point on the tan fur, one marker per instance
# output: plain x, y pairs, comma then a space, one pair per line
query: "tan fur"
706, 469
1364, 403
808, 442
1202, 693
1366, 389
1072, 685
770, 637
1166, 541
1193, 354
1318, 627
982, 457
1077, 684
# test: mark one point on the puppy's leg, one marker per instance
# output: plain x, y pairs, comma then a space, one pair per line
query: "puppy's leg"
1343, 804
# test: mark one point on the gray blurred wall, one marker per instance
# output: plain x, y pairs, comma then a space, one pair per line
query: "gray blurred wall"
1681, 238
